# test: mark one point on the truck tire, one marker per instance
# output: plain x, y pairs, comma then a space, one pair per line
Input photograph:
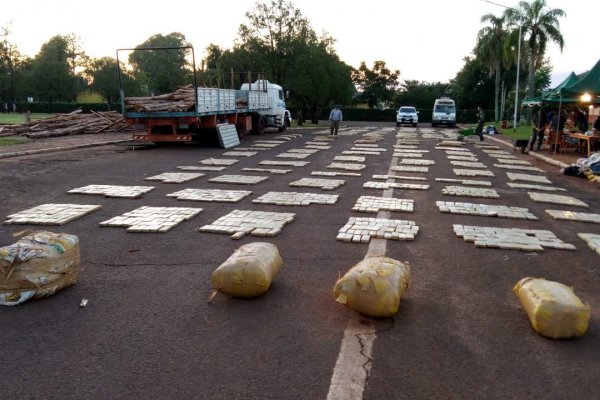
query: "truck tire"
259, 124
284, 126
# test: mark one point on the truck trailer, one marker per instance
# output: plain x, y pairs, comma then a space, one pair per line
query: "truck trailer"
169, 118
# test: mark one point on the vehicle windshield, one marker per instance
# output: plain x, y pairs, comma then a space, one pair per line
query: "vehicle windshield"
443, 108
407, 110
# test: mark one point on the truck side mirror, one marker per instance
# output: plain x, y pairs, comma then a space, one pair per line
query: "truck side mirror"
287, 94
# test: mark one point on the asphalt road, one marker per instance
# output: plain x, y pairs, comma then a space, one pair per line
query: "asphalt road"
148, 332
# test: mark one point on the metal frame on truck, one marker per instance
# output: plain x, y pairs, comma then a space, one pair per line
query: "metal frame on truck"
212, 107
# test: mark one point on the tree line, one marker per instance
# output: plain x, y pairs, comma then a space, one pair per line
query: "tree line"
278, 42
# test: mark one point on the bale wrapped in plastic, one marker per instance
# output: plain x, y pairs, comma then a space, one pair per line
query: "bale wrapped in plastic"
249, 271
38, 265
374, 286
553, 308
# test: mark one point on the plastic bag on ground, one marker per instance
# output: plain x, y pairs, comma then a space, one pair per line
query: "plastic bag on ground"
249, 271
553, 308
38, 265
374, 286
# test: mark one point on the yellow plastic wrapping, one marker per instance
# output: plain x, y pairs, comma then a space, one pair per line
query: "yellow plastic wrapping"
37, 265
553, 308
249, 271
374, 286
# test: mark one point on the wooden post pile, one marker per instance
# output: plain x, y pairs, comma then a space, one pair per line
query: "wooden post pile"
183, 99
70, 124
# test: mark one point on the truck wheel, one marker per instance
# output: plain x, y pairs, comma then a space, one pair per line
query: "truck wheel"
262, 125
259, 123
286, 123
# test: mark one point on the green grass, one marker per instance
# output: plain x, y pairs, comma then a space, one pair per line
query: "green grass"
522, 131
16, 118
7, 141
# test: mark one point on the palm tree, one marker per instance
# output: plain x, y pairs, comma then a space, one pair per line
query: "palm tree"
540, 26
490, 49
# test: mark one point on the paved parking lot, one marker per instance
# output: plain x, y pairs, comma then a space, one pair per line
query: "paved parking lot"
471, 219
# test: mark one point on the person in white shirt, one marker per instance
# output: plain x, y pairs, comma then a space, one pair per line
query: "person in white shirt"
335, 116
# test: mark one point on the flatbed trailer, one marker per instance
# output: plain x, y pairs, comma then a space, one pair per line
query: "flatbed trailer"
252, 108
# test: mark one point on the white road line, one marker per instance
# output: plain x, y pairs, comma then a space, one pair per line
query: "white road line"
354, 362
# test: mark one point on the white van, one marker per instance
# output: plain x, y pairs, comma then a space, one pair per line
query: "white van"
444, 112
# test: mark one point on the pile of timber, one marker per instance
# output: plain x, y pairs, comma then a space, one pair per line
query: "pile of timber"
69, 124
183, 99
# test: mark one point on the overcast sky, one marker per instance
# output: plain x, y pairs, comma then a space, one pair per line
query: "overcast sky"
425, 39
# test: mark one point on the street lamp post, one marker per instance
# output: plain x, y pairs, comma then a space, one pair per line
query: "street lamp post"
517, 88
518, 61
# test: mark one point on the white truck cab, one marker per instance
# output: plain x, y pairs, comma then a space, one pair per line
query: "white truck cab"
444, 112
276, 115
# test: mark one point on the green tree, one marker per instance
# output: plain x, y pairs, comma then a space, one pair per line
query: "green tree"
419, 94
279, 42
377, 85
272, 33
318, 78
162, 71
104, 77
543, 77
539, 26
490, 49
472, 86
51, 78
12, 68
76, 57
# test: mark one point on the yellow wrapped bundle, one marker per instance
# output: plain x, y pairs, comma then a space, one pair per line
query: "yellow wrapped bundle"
249, 271
374, 286
553, 309
37, 265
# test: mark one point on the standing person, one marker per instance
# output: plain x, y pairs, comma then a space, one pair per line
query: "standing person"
480, 122
582, 122
596, 126
557, 128
537, 130
549, 117
335, 117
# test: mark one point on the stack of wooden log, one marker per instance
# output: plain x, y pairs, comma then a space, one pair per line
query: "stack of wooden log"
183, 99
69, 124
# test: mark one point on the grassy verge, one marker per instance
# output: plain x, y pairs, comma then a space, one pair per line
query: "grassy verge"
7, 141
522, 132
16, 118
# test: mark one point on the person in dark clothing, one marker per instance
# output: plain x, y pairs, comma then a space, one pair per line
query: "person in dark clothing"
558, 122
480, 122
557, 128
537, 131
596, 132
581, 121
596, 126
549, 117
